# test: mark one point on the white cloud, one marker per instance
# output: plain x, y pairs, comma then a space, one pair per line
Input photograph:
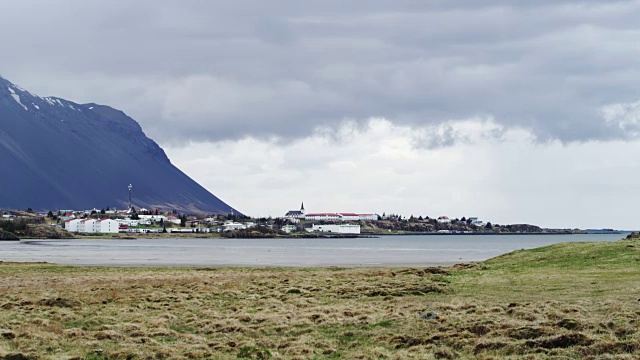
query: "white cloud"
381, 167
625, 116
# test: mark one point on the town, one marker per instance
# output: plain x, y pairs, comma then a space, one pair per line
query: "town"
294, 223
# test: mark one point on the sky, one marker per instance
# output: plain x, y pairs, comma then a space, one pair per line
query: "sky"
511, 111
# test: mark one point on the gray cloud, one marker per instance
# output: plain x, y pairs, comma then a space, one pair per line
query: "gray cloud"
213, 70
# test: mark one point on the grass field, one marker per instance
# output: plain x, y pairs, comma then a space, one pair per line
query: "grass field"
572, 300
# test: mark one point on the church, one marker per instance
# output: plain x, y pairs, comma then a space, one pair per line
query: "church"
296, 214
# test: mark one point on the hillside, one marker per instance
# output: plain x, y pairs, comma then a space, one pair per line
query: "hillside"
58, 154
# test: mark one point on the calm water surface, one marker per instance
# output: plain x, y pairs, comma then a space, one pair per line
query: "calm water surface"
382, 251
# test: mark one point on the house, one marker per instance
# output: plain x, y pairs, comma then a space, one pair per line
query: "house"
230, 225
154, 218
288, 228
67, 216
128, 222
173, 219
444, 220
337, 229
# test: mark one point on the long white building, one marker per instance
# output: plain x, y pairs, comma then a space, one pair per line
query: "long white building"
338, 229
339, 217
323, 217
92, 226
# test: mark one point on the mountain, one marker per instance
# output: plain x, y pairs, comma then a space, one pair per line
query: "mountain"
57, 154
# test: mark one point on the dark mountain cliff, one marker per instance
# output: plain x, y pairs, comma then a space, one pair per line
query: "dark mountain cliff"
56, 154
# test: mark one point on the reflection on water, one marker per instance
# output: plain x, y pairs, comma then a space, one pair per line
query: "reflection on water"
387, 250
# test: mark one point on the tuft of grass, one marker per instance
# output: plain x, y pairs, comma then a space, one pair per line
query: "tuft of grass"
254, 352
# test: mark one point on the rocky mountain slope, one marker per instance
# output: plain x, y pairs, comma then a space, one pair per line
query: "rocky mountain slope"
57, 154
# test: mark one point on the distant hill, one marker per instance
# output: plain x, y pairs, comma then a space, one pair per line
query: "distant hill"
56, 154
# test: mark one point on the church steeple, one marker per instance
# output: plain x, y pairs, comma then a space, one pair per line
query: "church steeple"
302, 207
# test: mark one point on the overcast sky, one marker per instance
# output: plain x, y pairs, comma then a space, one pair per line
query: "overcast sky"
512, 111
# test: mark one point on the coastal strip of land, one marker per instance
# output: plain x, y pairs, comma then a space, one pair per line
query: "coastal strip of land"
569, 300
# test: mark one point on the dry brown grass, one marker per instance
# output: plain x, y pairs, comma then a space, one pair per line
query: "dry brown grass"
488, 311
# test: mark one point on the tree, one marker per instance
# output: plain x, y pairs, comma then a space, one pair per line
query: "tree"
29, 210
103, 211
488, 226
50, 214
183, 220
464, 219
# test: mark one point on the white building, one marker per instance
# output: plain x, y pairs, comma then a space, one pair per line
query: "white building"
230, 225
128, 222
107, 226
368, 217
154, 218
288, 228
337, 229
72, 225
323, 217
340, 217
349, 217
87, 226
174, 220
91, 226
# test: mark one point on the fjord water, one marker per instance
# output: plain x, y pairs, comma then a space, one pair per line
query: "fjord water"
382, 251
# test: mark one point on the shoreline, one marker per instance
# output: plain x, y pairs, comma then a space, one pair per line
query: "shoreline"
346, 236
238, 266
